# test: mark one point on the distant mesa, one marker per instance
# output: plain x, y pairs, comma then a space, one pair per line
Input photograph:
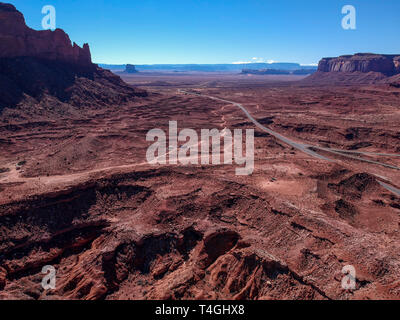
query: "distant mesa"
361, 68
388, 65
265, 71
42, 72
130, 68
278, 72
219, 68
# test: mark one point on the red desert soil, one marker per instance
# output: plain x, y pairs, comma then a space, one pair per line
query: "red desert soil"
77, 193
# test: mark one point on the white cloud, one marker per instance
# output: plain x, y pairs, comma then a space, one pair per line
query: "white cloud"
259, 60
253, 60
242, 62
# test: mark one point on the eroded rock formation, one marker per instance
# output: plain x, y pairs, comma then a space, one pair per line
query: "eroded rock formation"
18, 40
113, 238
361, 68
362, 62
41, 72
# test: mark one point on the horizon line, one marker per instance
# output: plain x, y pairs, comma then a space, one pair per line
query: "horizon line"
209, 64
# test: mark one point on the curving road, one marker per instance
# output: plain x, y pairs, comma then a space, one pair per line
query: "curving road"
390, 188
307, 148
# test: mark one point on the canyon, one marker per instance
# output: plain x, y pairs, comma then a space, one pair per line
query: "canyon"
77, 193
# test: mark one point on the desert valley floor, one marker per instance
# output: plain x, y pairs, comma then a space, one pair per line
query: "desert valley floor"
77, 193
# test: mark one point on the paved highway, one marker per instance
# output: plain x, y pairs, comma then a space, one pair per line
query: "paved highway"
306, 148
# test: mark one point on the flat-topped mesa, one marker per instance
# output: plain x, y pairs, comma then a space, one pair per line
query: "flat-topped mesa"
362, 62
130, 68
18, 40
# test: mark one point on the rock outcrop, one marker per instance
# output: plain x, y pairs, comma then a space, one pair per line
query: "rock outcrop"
362, 62
18, 40
361, 68
130, 68
42, 70
113, 238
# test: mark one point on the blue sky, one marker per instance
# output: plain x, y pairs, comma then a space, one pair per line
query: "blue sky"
221, 31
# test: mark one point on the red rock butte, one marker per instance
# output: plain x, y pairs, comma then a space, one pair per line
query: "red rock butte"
18, 40
362, 62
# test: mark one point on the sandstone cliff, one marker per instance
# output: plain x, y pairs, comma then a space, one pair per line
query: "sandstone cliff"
362, 62
361, 68
42, 70
18, 40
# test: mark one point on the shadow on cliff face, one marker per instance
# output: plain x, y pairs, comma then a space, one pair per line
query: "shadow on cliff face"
21, 78
35, 77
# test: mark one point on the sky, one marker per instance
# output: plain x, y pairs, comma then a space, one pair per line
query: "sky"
221, 31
